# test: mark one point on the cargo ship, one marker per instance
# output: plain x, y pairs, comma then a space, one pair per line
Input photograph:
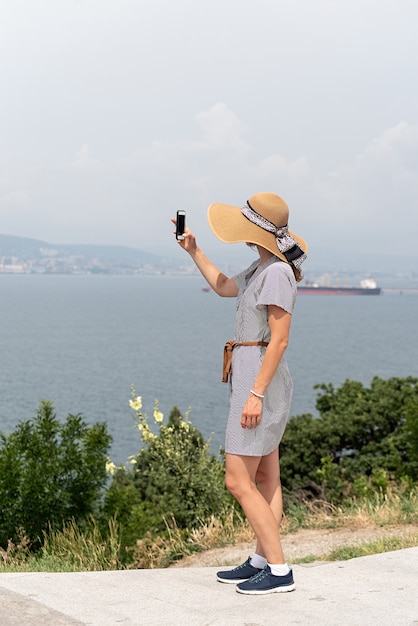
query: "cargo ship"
367, 287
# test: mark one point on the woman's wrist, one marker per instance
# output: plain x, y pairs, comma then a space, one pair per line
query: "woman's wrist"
257, 395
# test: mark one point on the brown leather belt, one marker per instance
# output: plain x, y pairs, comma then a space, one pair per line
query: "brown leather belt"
229, 346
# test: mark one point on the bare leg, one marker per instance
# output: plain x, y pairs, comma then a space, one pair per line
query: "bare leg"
241, 472
268, 482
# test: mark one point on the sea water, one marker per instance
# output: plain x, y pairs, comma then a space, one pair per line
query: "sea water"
83, 341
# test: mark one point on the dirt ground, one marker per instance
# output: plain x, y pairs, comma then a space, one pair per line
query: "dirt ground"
317, 542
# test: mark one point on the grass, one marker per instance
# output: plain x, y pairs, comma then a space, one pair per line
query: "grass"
366, 548
68, 550
383, 544
151, 552
392, 508
73, 549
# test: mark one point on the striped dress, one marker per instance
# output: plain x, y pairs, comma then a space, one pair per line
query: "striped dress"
271, 283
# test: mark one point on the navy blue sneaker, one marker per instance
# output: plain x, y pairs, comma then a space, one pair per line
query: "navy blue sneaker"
238, 574
265, 582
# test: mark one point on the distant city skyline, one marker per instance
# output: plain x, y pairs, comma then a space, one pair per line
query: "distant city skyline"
14, 249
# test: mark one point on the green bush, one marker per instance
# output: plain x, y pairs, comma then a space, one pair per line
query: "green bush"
53, 474
174, 480
363, 439
50, 473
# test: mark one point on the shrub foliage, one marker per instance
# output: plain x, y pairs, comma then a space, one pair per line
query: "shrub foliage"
363, 439
53, 474
174, 480
50, 473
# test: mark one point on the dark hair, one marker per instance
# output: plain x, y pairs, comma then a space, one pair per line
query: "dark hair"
297, 273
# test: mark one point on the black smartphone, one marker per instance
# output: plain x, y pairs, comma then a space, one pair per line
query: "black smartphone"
180, 225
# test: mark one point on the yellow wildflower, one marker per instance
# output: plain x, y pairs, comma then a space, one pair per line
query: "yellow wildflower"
110, 467
158, 416
136, 404
148, 435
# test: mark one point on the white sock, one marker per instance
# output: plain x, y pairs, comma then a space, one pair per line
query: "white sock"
258, 561
279, 569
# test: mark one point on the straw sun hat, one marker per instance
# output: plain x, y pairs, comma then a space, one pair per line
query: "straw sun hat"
262, 221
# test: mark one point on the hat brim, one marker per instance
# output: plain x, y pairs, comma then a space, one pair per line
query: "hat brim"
231, 226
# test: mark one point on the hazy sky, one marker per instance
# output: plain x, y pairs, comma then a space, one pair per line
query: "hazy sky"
115, 113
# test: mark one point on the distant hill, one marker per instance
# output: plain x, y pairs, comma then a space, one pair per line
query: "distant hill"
25, 248
19, 246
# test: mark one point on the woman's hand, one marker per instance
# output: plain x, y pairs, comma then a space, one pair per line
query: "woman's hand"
189, 242
251, 413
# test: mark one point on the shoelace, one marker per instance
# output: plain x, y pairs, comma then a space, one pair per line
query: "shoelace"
246, 564
257, 578
241, 566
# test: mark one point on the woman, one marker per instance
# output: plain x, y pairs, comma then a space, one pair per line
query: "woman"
261, 387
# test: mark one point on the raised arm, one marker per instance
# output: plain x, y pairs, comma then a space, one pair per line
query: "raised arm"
220, 283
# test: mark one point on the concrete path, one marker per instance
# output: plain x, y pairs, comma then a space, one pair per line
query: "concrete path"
380, 589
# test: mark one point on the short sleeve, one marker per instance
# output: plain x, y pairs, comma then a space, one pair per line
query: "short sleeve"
278, 287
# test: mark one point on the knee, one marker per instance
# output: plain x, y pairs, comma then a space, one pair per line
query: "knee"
237, 487
232, 484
